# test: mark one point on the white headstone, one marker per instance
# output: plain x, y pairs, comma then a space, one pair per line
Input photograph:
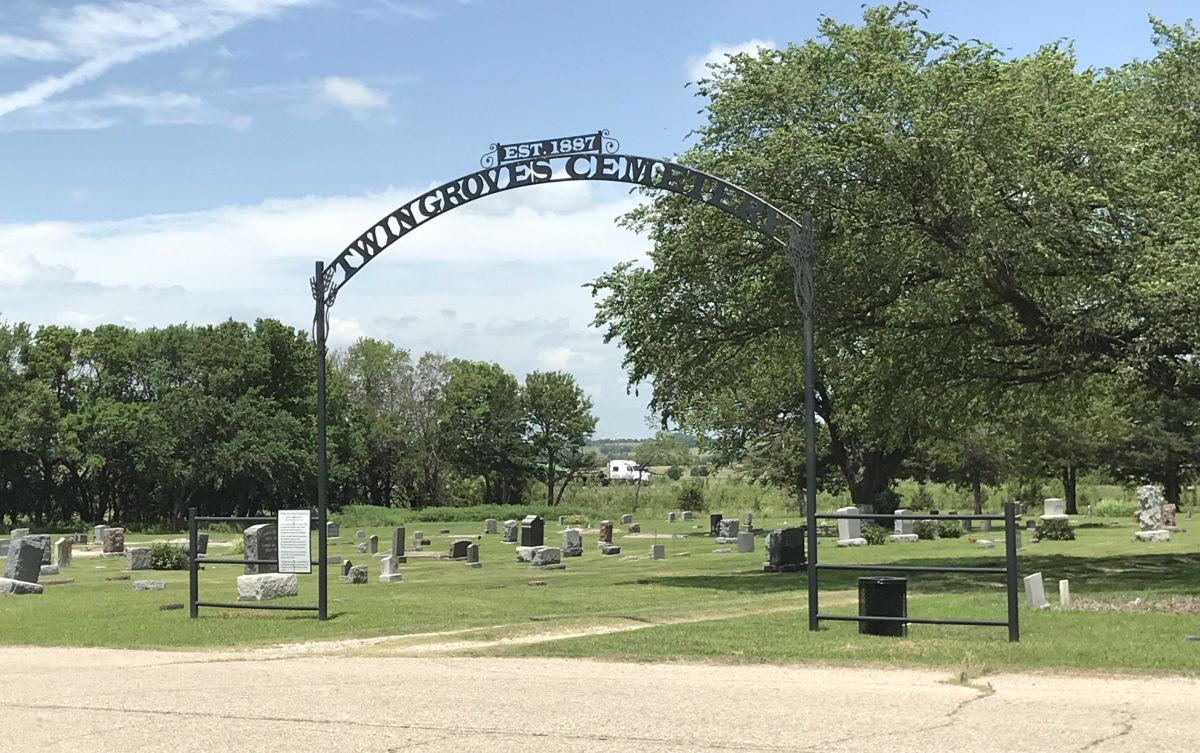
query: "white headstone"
1035, 592
657, 551
1056, 509
745, 542
849, 529
389, 570
1064, 593
902, 527
572, 543
63, 550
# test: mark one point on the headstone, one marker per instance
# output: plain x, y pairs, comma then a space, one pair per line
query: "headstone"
24, 561
727, 532
657, 551
114, 541
373, 545
1017, 534
635, 528
626, 519
533, 531
903, 529
346, 567
489, 525
687, 515
398, 536
80, 538
968, 525
1031, 525
745, 542
361, 548
572, 543
201, 543
473, 556
389, 570
606, 529
985, 525
443, 532
360, 534
267, 586
785, 550
1035, 592
13, 587
333, 530
509, 536
458, 549
1150, 517
985, 543
261, 542
49, 570
748, 521
48, 550
4, 544
670, 517
849, 529
525, 553
418, 537
356, 577
137, 558
609, 548
18, 533
151, 585
1055, 509
98, 534
1169, 515
714, 524
1064, 593
546, 556
562, 520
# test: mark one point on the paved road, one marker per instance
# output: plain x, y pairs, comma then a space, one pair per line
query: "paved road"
124, 701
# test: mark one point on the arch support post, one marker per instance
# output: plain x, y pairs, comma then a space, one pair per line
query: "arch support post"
320, 288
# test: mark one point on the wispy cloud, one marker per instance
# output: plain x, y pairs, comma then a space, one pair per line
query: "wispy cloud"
698, 65
96, 38
377, 9
123, 107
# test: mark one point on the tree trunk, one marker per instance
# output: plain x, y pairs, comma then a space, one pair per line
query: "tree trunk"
550, 480
1068, 482
977, 493
1171, 486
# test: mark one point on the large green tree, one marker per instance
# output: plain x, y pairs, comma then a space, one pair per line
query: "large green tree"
483, 426
560, 422
980, 223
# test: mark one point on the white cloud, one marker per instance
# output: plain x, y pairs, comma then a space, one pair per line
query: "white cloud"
509, 268
122, 107
383, 8
350, 94
97, 37
697, 65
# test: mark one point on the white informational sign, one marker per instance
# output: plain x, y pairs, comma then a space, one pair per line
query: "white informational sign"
295, 550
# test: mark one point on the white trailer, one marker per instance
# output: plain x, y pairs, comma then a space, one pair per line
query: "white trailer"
627, 470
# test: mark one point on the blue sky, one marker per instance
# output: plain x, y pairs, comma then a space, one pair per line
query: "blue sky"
188, 160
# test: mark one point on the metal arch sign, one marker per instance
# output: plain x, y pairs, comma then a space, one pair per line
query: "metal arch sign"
591, 156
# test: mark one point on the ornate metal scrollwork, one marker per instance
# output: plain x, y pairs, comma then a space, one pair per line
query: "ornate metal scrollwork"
799, 252
609, 144
492, 157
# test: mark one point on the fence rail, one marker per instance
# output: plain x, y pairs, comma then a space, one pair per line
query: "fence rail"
1009, 571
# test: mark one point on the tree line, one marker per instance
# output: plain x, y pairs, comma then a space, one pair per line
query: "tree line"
1006, 265
114, 424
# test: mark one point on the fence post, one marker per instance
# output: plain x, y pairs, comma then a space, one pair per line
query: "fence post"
193, 572
1010, 562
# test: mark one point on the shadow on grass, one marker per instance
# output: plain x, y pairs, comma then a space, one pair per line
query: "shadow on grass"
1164, 573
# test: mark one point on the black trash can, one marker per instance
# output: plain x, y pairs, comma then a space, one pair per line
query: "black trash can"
883, 597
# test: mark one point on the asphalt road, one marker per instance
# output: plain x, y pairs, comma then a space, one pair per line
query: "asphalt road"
103, 701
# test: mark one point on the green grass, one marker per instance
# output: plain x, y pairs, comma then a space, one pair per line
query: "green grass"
703, 607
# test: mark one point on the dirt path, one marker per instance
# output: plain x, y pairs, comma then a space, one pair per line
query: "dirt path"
121, 701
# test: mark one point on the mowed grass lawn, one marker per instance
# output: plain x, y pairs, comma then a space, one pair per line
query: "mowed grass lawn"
705, 606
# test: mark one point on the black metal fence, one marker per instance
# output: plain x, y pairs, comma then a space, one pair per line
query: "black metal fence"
1009, 571
194, 560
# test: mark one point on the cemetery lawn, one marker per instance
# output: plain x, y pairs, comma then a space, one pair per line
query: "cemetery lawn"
1135, 603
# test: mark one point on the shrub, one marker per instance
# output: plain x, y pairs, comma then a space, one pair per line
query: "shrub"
921, 499
1054, 530
674, 473
949, 529
167, 557
875, 534
576, 521
691, 498
926, 530
239, 546
1114, 508
699, 471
